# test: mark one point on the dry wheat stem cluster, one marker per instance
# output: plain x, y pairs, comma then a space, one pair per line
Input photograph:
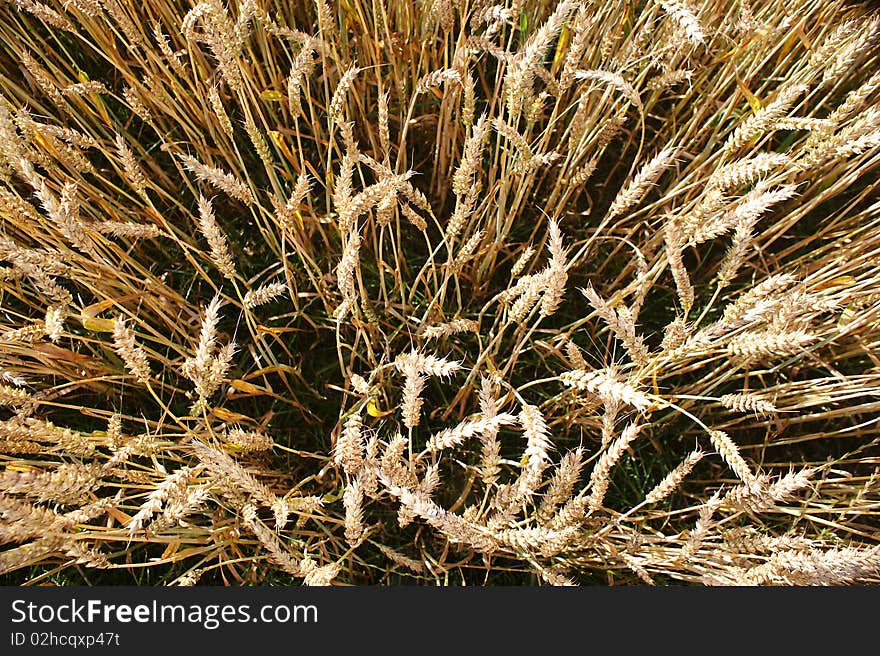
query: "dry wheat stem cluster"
439, 292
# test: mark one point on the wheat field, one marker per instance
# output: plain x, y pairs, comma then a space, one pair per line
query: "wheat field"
440, 292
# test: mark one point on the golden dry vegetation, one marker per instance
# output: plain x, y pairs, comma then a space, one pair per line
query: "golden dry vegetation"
439, 292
